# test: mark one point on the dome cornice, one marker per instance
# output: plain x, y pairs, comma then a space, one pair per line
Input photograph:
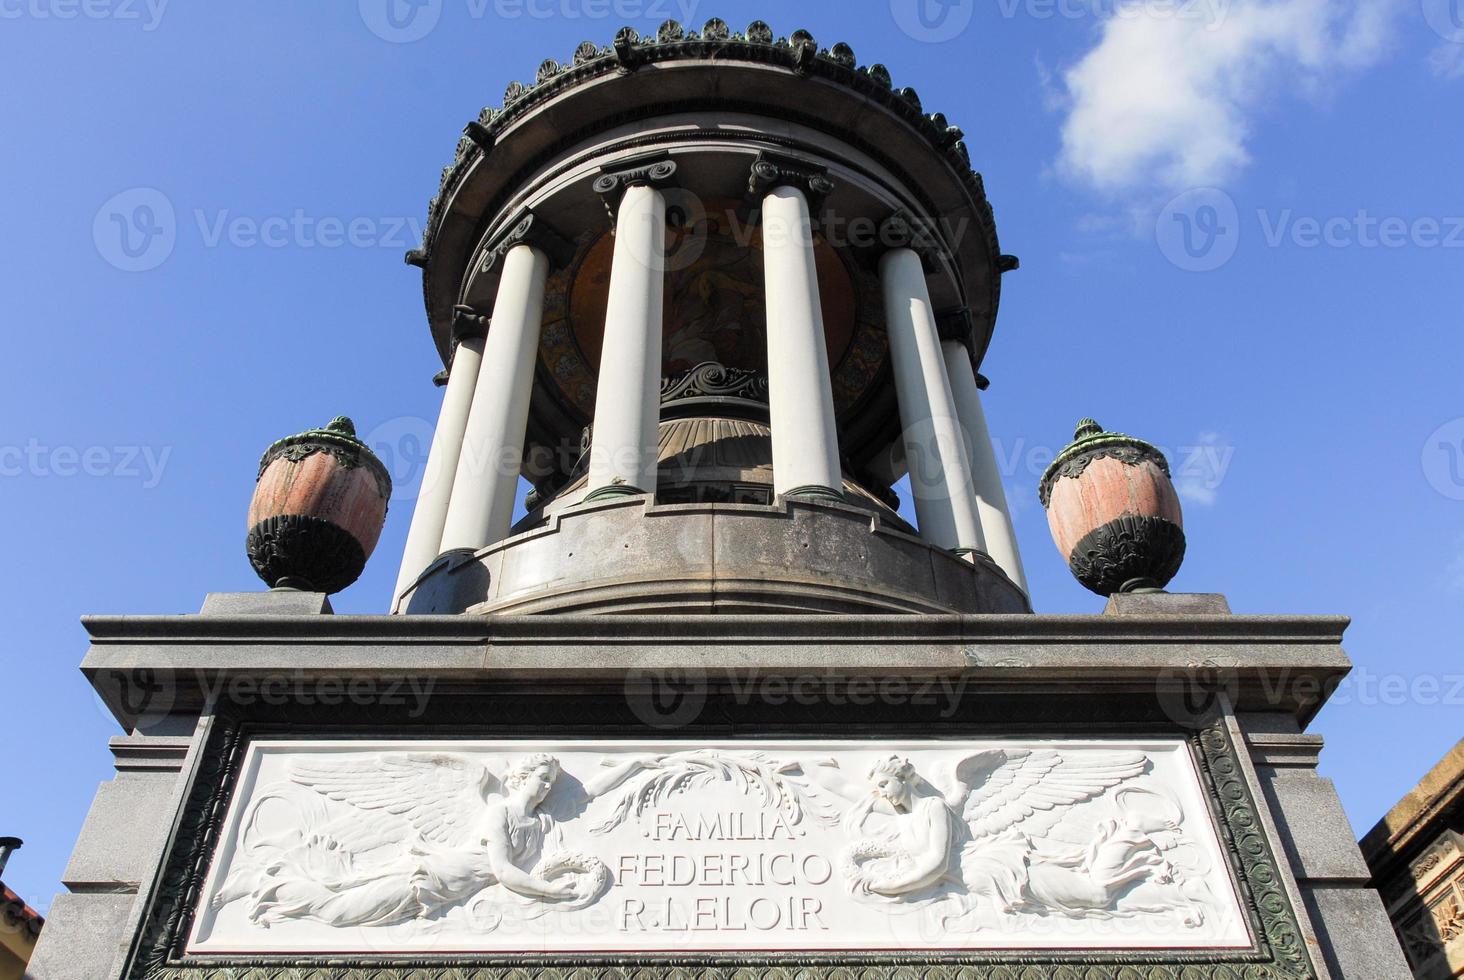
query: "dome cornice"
631, 52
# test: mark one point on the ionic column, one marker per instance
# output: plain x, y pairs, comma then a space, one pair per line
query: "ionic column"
800, 392
483, 491
628, 393
425, 534
991, 502
940, 477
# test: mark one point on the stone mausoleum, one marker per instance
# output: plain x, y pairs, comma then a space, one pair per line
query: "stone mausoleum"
1416, 853
711, 707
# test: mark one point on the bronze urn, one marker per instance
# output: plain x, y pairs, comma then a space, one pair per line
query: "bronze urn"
1113, 512
318, 509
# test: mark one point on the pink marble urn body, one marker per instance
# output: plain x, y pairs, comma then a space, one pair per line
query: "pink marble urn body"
318, 509
1113, 512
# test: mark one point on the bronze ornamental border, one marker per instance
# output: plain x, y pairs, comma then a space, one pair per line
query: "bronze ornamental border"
157, 954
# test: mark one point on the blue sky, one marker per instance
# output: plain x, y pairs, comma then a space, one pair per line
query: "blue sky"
1241, 227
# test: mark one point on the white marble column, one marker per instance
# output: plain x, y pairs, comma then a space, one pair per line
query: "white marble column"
940, 477
483, 491
991, 502
800, 393
430, 516
628, 393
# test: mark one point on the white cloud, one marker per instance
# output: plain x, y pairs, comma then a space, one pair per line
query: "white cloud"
1167, 101
1198, 470
1447, 61
1196, 493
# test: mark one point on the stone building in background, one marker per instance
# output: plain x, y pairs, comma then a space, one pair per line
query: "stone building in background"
709, 706
20, 925
1416, 853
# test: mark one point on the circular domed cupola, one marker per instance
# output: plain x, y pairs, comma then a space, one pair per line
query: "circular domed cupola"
719, 271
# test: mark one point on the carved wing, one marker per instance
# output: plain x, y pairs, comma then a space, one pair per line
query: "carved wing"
442, 796
954, 781
1031, 788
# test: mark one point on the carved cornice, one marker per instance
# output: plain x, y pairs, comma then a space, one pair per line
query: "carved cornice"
1273, 664
713, 380
771, 171
611, 185
527, 228
716, 41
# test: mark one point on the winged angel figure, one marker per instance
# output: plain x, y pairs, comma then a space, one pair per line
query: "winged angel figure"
980, 840
423, 833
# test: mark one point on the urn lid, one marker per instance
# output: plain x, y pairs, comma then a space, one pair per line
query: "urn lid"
337, 438
1090, 442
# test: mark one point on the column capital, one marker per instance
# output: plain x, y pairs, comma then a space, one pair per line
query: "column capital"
528, 228
955, 325
958, 326
771, 171
920, 235
467, 324
657, 170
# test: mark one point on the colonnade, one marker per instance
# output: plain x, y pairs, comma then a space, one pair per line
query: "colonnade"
468, 491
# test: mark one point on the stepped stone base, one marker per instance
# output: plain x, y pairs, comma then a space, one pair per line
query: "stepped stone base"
632, 555
196, 692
